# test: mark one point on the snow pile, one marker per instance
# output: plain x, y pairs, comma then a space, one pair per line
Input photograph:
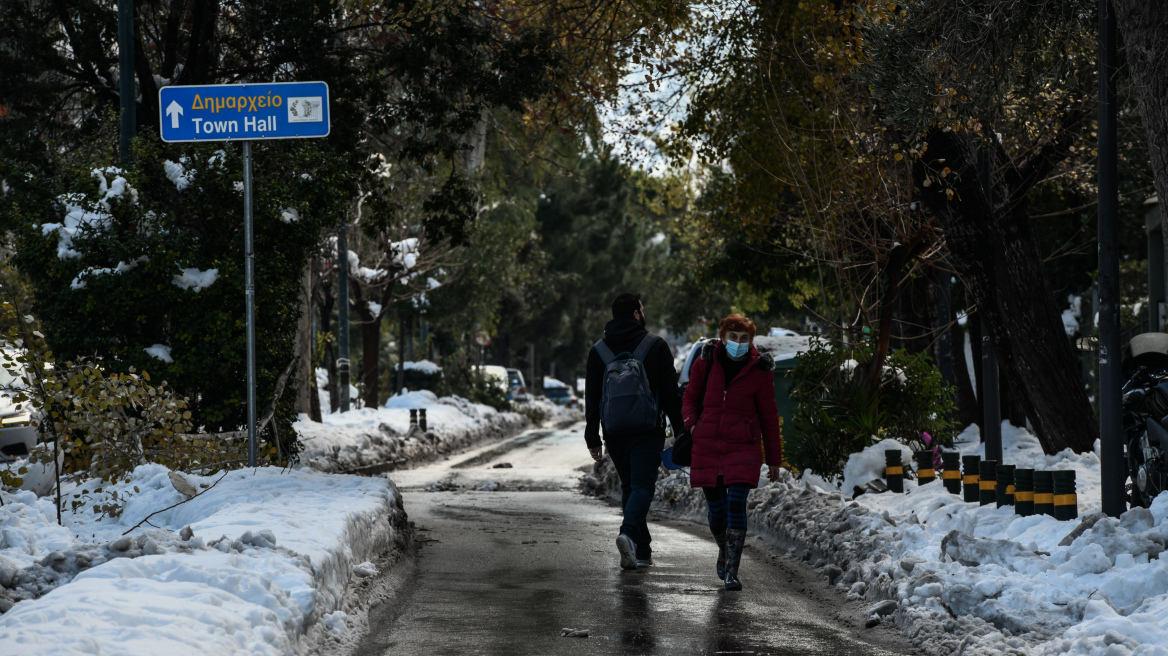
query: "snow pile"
81, 213
177, 173
195, 279
869, 463
423, 366
160, 352
1072, 314
382, 438
958, 576
254, 564
122, 267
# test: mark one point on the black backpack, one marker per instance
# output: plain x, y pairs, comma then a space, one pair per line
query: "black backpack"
627, 404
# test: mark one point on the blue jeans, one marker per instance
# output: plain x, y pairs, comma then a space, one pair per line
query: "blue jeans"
637, 460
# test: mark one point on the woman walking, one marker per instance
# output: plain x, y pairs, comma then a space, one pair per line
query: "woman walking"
729, 408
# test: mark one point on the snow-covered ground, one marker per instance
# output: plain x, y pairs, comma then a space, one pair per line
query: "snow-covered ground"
373, 437
258, 562
963, 578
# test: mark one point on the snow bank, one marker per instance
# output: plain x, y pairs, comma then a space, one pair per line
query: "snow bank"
424, 366
259, 563
381, 439
960, 577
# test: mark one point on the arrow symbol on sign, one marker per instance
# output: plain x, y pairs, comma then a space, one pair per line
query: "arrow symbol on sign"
174, 110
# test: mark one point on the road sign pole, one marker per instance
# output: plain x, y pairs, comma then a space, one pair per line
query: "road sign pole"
126, 90
249, 282
1111, 465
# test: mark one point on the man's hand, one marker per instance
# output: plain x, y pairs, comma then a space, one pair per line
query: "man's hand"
773, 474
597, 453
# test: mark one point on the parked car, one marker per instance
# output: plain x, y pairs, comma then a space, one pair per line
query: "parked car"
497, 375
517, 388
17, 435
559, 393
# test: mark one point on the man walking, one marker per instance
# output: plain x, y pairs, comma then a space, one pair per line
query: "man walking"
631, 387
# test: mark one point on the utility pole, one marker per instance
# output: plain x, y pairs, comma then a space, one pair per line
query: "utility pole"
991, 398
127, 92
343, 315
1113, 494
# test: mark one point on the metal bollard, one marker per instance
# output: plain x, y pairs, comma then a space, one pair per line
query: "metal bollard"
893, 470
1066, 503
1043, 493
951, 471
413, 417
925, 471
422, 419
988, 483
1024, 492
1004, 490
971, 466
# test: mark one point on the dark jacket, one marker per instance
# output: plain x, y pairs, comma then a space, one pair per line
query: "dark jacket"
623, 335
737, 419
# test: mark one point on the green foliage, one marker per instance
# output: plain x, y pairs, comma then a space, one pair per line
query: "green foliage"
99, 422
111, 288
835, 416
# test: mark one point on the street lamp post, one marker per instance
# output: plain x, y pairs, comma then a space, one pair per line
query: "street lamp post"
1112, 474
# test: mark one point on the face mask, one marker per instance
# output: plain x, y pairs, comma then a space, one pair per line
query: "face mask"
736, 350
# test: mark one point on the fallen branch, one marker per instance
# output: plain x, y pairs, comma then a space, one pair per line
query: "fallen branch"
144, 521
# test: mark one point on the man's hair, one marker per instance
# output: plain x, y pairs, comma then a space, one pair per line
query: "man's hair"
626, 305
738, 324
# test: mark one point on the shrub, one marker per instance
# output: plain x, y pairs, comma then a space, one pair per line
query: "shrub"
143, 268
536, 414
836, 416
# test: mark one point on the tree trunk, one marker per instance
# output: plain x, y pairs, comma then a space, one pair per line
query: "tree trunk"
995, 251
1144, 26
330, 355
370, 352
304, 383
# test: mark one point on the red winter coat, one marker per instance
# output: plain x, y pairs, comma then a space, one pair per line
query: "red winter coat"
736, 420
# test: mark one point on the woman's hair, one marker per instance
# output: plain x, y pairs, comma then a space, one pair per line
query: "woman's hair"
737, 323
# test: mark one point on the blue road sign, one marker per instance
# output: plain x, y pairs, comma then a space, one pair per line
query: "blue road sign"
230, 112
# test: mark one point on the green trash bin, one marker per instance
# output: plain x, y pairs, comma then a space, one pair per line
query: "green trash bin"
783, 384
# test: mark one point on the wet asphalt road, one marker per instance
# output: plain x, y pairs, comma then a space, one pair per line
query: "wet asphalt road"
503, 572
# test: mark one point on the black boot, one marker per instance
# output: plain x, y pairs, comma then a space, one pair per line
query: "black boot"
720, 538
735, 538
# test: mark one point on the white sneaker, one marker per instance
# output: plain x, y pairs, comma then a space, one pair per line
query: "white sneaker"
628, 551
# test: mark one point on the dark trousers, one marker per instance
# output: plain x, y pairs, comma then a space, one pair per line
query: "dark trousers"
637, 460
727, 505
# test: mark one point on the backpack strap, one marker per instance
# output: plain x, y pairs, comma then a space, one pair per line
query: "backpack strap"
605, 353
644, 346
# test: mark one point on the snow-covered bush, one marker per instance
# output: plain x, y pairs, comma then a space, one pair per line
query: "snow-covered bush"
143, 267
835, 416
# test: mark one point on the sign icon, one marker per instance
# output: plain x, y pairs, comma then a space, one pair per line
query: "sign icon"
226, 112
174, 110
304, 110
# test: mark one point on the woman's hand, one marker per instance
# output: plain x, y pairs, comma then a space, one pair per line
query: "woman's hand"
773, 474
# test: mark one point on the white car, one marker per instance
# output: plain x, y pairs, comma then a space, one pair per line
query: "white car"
17, 435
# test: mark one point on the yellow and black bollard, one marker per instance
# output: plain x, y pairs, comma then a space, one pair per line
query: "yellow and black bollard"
971, 465
1004, 490
893, 470
951, 471
989, 482
1043, 493
1066, 503
925, 471
1024, 492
